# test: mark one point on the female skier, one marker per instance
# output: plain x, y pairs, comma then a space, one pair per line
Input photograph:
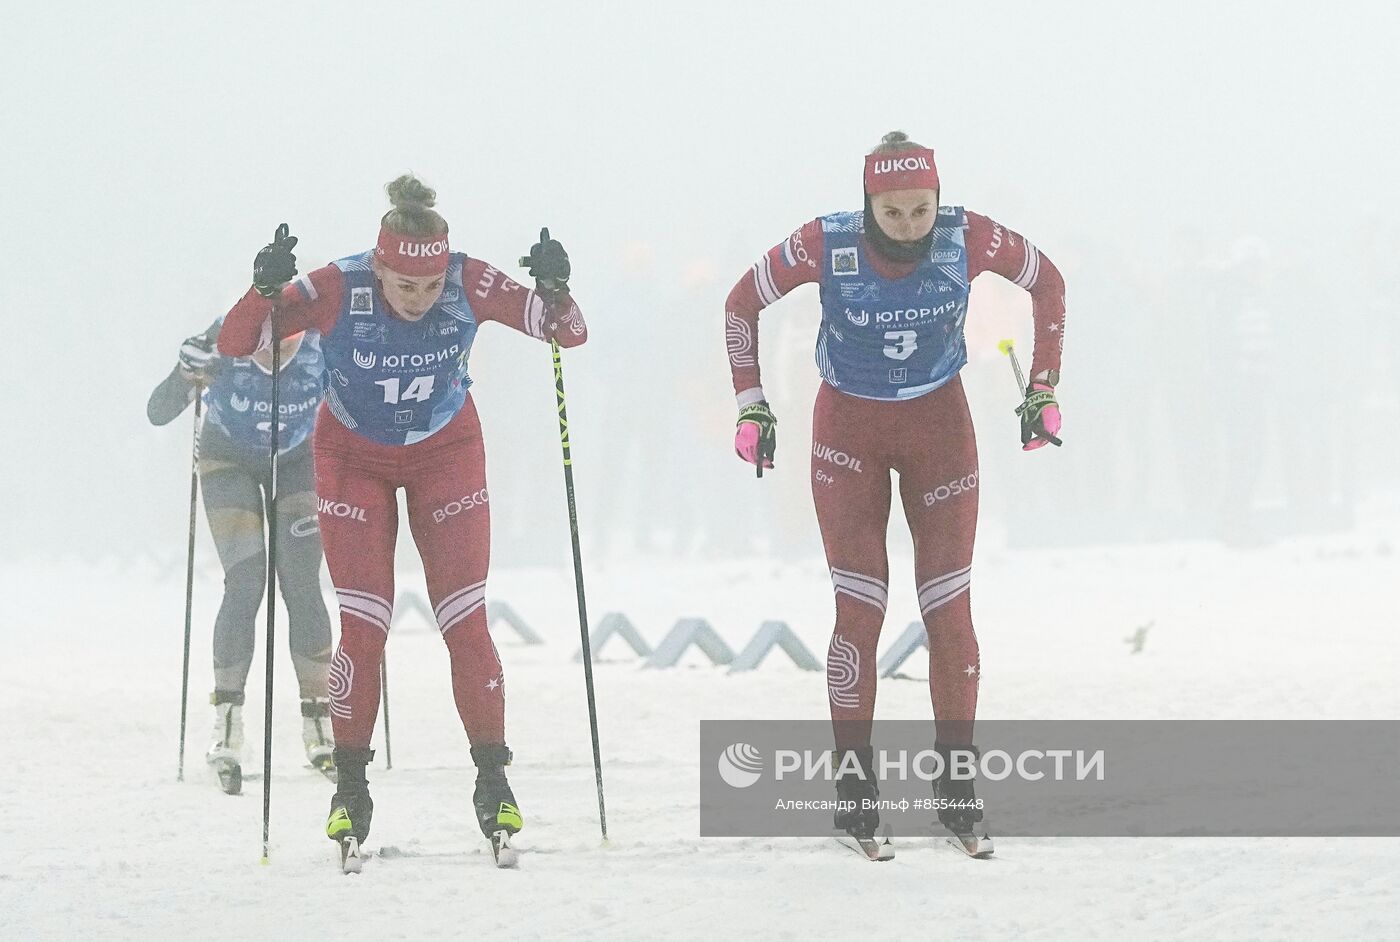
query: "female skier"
396, 325
234, 476
894, 283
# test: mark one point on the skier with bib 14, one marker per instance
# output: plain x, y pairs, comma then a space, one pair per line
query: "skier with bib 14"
396, 325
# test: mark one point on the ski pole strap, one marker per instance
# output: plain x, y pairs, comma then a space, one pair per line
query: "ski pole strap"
1035, 401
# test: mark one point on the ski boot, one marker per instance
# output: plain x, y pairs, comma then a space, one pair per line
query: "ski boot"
857, 789
496, 810
958, 807
225, 753
351, 807
317, 737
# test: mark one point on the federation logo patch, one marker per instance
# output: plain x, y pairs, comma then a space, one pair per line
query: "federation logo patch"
859, 291
845, 261
370, 332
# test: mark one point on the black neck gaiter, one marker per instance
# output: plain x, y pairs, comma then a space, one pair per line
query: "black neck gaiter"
890, 249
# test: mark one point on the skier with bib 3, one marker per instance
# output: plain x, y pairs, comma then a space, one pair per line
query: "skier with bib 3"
894, 282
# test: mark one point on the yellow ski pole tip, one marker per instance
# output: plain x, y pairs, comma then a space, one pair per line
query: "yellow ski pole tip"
1005, 346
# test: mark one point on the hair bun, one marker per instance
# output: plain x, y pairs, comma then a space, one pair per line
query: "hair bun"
409, 193
895, 137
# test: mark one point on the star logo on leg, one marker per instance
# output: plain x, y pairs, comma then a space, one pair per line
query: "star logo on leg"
495, 682
970, 670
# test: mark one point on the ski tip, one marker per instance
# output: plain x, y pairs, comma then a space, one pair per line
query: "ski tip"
350, 860
867, 847
506, 856
978, 847
264, 862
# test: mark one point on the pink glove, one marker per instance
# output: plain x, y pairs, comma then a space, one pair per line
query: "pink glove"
1040, 417
746, 444
755, 439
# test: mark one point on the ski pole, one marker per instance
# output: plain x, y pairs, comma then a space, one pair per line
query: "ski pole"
189, 578
550, 287
276, 424
384, 693
1009, 348
578, 583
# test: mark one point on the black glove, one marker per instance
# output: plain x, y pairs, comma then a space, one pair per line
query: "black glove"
548, 264
757, 414
196, 356
275, 265
1040, 417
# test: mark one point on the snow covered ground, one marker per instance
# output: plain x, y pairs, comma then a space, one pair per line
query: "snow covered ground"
102, 842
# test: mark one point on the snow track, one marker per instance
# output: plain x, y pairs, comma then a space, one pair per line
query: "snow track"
102, 842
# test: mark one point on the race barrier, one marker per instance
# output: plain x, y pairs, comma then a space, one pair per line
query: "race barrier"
685, 633
774, 634
615, 624
698, 632
914, 637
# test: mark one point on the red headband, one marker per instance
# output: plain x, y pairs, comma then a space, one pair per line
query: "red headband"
412, 255
907, 170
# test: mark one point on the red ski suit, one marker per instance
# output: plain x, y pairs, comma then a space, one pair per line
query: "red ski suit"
929, 441
444, 478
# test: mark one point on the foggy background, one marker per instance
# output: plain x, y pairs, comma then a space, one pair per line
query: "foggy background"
1216, 182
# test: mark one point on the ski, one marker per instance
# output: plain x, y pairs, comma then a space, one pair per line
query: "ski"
350, 859
868, 847
505, 855
230, 775
976, 845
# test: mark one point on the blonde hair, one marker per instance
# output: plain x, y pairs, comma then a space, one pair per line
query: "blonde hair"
413, 213
896, 142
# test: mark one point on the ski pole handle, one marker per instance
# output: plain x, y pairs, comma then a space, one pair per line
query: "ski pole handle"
1007, 347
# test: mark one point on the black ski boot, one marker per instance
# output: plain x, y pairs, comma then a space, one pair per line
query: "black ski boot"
351, 807
959, 809
857, 789
496, 811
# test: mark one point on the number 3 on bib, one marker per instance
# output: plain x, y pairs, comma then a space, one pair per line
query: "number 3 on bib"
902, 344
419, 390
